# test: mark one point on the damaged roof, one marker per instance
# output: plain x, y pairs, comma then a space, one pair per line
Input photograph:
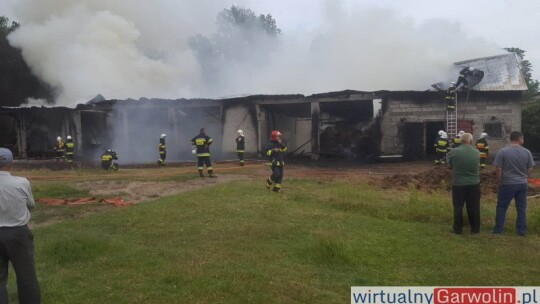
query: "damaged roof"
501, 73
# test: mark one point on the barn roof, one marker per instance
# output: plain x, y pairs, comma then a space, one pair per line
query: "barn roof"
501, 72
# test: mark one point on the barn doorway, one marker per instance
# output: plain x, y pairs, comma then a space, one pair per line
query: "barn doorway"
432, 130
413, 141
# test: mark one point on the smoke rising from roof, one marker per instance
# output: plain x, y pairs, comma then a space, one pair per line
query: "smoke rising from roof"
131, 49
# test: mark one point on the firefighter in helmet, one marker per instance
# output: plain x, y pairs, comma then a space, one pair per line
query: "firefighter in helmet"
456, 141
441, 148
483, 148
241, 146
70, 149
162, 150
450, 97
59, 148
107, 160
462, 79
202, 143
275, 150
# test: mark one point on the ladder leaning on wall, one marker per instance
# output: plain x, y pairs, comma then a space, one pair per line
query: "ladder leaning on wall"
451, 120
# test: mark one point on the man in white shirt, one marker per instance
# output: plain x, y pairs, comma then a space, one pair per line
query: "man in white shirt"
16, 239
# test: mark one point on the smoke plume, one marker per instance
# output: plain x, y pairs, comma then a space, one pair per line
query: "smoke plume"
130, 49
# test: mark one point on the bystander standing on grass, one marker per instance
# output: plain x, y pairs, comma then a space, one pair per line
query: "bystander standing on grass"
16, 239
514, 165
465, 161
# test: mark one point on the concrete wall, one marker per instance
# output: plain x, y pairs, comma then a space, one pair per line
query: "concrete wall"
235, 118
480, 109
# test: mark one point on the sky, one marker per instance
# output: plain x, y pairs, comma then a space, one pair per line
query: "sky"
508, 23
414, 25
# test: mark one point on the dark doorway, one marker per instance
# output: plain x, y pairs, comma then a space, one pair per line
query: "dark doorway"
432, 130
413, 141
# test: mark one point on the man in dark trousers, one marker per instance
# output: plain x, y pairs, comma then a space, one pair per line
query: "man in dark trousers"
162, 147
514, 166
202, 142
16, 239
465, 162
241, 146
275, 150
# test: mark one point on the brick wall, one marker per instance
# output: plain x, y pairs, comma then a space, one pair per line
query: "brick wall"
480, 109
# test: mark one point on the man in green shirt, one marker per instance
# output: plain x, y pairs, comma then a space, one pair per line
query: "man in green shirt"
464, 162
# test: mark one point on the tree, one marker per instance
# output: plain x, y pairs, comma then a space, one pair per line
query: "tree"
531, 107
17, 83
526, 67
243, 40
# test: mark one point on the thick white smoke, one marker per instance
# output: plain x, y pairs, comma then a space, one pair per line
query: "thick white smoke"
131, 49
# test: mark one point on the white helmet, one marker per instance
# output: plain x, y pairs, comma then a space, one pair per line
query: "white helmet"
483, 135
461, 133
58, 138
194, 150
240, 132
444, 136
471, 69
440, 132
163, 135
68, 137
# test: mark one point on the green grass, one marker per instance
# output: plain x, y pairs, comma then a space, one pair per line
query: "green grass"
238, 243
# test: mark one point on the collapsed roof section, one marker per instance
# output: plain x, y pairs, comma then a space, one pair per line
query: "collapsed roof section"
501, 73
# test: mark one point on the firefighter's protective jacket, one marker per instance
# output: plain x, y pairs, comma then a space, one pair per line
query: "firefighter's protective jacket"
202, 142
240, 144
162, 147
276, 153
59, 146
70, 146
483, 147
441, 145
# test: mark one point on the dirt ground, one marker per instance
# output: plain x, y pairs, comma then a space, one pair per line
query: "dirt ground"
138, 191
439, 177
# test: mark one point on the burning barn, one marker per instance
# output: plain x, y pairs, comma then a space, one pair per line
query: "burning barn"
410, 120
354, 125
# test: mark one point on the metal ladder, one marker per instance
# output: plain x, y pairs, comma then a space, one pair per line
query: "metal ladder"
451, 121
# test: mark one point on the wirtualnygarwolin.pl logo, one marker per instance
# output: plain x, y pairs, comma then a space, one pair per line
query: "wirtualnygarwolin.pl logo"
445, 295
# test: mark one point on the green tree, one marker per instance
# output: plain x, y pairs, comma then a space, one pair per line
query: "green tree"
531, 124
17, 83
526, 67
531, 107
243, 40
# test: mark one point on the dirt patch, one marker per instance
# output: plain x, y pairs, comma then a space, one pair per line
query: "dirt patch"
136, 191
436, 178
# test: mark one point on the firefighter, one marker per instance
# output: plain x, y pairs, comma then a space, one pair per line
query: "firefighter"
70, 149
275, 150
59, 147
107, 160
441, 148
450, 97
162, 150
483, 148
241, 146
462, 79
202, 143
456, 141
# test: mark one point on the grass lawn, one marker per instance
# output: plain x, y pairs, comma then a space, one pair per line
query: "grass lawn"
238, 243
